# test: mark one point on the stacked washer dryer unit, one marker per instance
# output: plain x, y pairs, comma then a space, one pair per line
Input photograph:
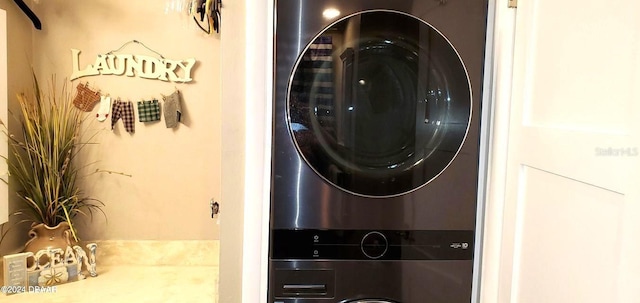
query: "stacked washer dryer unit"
376, 150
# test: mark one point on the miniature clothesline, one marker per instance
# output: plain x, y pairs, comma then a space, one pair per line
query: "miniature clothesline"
148, 110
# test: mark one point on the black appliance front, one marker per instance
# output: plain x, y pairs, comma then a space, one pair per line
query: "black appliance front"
375, 150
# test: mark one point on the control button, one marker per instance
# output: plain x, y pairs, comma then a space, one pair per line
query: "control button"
374, 245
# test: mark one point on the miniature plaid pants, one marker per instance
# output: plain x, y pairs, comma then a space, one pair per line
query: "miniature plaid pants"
124, 110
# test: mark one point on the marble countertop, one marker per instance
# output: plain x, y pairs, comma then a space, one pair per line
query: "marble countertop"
152, 284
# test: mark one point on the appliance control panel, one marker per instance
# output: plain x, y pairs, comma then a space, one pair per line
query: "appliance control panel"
309, 244
374, 245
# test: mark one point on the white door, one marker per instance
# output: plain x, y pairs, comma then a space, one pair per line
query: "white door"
569, 215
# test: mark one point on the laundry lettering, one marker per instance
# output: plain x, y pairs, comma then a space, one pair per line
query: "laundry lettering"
134, 65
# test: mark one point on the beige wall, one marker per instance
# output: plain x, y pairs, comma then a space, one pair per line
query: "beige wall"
174, 171
19, 58
4, 148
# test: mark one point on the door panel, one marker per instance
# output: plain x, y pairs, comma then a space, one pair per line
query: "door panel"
563, 247
576, 154
566, 225
574, 55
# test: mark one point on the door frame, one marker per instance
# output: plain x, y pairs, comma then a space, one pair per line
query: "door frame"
497, 142
494, 85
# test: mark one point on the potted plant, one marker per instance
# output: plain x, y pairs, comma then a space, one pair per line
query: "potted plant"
44, 165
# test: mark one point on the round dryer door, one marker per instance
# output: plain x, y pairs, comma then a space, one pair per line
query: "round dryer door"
379, 103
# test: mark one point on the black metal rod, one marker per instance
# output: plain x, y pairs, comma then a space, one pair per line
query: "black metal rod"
23, 6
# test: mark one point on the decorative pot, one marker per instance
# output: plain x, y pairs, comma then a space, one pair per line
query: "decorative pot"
43, 237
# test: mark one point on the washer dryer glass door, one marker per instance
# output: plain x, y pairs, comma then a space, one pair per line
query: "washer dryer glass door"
379, 103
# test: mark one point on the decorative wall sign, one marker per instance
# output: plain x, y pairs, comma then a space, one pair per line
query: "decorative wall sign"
49, 268
134, 65
15, 274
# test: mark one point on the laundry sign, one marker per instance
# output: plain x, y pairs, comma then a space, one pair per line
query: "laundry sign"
134, 66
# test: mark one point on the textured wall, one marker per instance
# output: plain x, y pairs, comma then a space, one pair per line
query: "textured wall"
19, 59
174, 171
